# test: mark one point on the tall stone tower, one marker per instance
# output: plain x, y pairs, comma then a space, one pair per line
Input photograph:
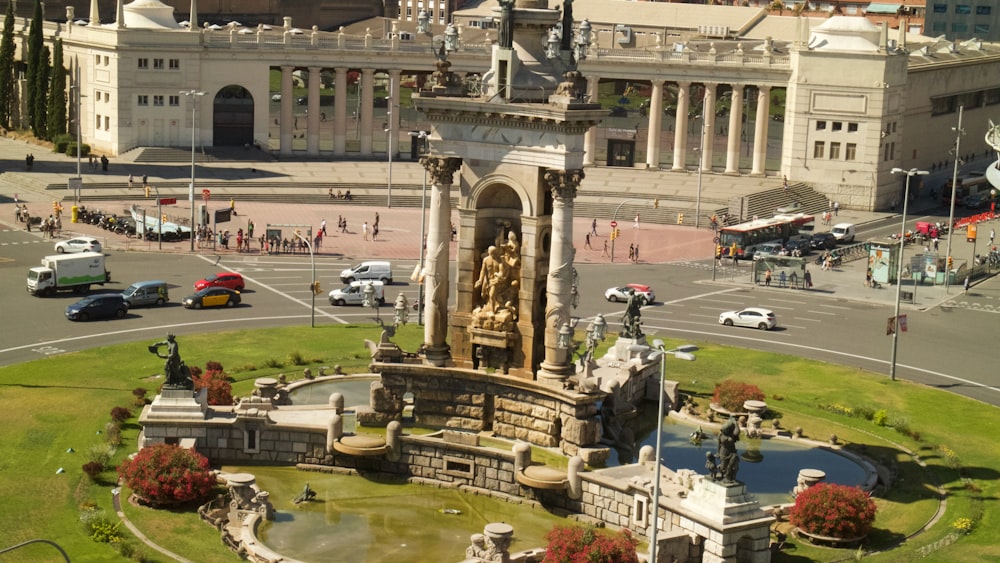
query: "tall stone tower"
518, 148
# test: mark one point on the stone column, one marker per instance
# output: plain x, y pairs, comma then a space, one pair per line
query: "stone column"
760, 131
707, 133
393, 116
655, 123
285, 118
312, 119
441, 171
339, 111
590, 137
367, 104
681, 125
735, 131
558, 364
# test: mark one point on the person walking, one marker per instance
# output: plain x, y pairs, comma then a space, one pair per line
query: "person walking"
993, 233
364, 230
767, 278
635, 256
593, 227
322, 227
130, 179
375, 231
631, 252
782, 279
836, 208
587, 243
965, 285
605, 251
232, 206
808, 279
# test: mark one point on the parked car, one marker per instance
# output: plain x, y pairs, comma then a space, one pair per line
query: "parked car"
373, 270
146, 293
823, 241
616, 294
753, 317
974, 201
213, 297
275, 97
78, 244
798, 246
766, 249
100, 306
354, 293
845, 232
230, 280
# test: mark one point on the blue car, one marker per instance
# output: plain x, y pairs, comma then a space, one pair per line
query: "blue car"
101, 306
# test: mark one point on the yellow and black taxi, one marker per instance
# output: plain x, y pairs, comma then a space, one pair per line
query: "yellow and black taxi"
212, 297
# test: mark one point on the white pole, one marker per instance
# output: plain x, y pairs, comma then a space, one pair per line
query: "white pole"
194, 108
899, 266
954, 185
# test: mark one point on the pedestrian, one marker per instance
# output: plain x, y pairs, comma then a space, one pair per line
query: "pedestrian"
784, 183
605, 251
836, 208
636, 225
635, 257
130, 179
936, 241
343, 225
808, 279
249, 229
104, 162
145, 180
593, 227
767, 278
375, 231
782, 279
364, 230
868, 278
966, 285
631, 252
376, 218
322, 227
992, 234
232, 206
587, 243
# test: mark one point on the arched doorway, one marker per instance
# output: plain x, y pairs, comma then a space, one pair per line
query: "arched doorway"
233, 117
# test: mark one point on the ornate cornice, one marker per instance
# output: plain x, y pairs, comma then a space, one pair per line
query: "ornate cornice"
441, 169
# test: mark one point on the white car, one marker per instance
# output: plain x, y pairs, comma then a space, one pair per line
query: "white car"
79, 244
616, 294
275, 97
844, 232
753, 317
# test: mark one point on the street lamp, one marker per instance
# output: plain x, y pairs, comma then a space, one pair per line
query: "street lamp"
388, 143
194, 108
682, 353
314, 286
422, 135
400, 311
701, 163
899, 267
954, 185
369, 300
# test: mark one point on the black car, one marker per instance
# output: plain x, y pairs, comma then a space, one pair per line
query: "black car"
799, 246
823, 241
100, 306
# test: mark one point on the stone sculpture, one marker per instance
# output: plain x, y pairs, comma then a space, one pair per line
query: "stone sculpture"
498, 285
729, 461
631, 320
175, 373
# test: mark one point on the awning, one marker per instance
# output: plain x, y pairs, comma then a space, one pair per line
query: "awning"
880, 8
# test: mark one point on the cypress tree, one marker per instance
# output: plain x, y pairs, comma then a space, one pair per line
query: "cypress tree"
56, 112
38, 121
7, 67
33, 55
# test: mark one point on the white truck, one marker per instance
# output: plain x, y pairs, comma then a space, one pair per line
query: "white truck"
68, 271
354, 293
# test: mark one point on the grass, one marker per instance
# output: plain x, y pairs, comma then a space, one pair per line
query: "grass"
56, 410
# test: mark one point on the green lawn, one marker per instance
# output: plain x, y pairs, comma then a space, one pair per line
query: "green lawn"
55, 412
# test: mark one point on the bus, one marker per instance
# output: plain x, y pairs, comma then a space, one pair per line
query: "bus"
966, 186
742, 240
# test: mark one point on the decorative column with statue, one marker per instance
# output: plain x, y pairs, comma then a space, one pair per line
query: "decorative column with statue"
435, 275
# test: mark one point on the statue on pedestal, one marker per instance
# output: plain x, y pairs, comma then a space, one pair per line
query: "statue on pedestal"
631, 320
175, 373
729, 461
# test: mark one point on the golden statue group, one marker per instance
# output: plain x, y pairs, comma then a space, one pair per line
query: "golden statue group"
498, 286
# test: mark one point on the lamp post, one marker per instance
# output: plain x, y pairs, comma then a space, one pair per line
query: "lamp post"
400, 311
369, 300
683, 353
899, 266
954, 185
388, 144
159, 219
701, 164
194, 109
314, 286
614, 219
422, 135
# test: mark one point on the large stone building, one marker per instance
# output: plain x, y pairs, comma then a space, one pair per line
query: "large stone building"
833, 102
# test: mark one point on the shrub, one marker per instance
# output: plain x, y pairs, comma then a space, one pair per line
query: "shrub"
120, 414
92, 469
835, 511
71, 149
731, 395
295, 358
98, 526
220, 390
139, 396
880, 417
576, 544
102, 453
273, 363
113, 434
167, 473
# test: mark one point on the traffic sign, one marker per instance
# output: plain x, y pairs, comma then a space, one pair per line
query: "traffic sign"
168, 200
614, 224
206, 194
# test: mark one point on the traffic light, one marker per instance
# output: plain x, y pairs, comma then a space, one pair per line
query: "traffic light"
656, 203
950, 261
680, 218
718, 251
315, 288
146, 188
613, 235
55, 206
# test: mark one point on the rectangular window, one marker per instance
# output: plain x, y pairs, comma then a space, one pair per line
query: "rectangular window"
981, 28
984, 10
991, 97
959, 27
886, 151
852, 127
819, 149
107, 122
850, 151
107, 60
174, 101
158, 64
940, 8
834, 151
893, 126
158, 101
963, 9
939, 27
98, 126
175, 64
837, 126
143, 63
143, 100
97, 59
821, 126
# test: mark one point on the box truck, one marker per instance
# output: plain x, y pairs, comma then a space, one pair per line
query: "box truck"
68, 271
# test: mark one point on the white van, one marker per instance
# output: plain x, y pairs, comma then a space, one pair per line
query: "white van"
354, 293
844, 232
375, 270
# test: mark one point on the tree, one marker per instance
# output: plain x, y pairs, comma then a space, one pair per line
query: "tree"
7, 67
33, 56
56, 112
40, 104
167, 474
220, 390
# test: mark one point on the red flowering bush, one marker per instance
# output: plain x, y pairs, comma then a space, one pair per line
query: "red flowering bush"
731, 395
166, 473
220, 390
576, 544
835, 511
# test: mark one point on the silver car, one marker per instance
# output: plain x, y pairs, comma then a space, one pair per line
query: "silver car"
78, 244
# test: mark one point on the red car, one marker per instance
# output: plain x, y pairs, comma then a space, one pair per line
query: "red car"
230, 280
